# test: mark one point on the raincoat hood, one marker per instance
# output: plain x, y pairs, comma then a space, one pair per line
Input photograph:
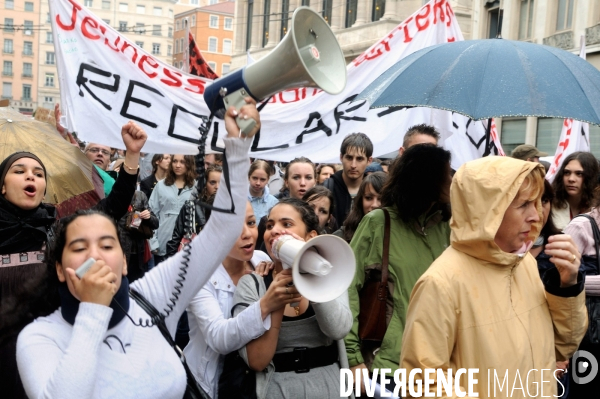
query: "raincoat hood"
480, 194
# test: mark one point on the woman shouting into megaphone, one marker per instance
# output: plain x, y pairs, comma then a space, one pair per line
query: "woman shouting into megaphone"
297, 357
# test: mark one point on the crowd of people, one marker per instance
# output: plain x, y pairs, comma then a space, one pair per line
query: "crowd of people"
485, 267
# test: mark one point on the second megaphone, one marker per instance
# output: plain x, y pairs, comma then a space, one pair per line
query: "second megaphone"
308, 56
322, 268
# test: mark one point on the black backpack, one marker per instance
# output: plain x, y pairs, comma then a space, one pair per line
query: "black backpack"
237, 379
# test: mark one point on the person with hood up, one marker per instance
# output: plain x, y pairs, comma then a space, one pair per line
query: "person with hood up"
482, 303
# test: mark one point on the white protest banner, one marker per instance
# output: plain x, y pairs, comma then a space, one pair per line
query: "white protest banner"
107, 80
575, 136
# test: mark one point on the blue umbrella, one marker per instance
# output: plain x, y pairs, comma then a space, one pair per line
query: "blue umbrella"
490, 78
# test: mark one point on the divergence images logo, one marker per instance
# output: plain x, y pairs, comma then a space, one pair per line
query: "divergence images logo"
585, 367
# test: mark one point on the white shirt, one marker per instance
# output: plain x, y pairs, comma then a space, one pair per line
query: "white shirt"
213, 333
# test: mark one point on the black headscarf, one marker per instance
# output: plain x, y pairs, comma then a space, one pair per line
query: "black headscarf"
22, 230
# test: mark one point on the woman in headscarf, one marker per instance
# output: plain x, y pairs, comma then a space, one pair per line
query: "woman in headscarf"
25, 223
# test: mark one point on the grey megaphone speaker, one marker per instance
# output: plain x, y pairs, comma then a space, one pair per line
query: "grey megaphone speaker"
308, 56
322, 268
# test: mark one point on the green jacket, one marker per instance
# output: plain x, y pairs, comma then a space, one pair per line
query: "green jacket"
412, 250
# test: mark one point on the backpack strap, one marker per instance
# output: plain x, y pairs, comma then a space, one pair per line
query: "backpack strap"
268, 279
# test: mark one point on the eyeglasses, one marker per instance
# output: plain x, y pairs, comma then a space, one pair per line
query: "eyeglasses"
95, 150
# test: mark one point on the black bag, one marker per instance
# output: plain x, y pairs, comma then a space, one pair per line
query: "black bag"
193, 390
237, 379
591, 266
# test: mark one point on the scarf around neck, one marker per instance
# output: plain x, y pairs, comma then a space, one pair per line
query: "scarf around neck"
24, 230
69, 305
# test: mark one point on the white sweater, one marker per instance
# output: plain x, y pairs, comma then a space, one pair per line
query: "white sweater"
213, 333
85, 360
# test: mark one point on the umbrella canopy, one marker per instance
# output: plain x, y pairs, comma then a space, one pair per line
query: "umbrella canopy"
70, 172
492, 78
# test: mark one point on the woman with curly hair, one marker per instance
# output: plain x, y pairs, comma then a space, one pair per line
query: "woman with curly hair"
417, 198
367, 199
168, 197
574, 186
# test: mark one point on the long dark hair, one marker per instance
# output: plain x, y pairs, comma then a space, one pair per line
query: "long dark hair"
589, 163
190, 173
307, 213
39, 297
416, 180
376, 181
156, 159
549, 228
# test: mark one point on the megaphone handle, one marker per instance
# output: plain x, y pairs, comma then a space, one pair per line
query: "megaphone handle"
236, 99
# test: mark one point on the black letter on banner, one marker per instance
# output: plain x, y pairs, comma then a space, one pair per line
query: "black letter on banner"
215, 137
255, 148
130, 99
172, 124
320, 126
81, 81
340, 115
391, 110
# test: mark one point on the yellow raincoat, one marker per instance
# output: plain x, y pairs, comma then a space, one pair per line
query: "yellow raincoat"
480, 307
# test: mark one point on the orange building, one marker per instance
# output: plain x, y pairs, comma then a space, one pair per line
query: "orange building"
212, 28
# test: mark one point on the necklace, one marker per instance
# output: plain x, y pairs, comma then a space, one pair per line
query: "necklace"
297, 309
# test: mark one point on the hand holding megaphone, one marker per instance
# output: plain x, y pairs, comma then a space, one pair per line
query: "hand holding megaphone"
246, 114
279, 294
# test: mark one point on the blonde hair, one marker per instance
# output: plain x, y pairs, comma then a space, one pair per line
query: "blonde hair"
534, 182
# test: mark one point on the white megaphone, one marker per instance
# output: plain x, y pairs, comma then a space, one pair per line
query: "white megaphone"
322, 268
308, 56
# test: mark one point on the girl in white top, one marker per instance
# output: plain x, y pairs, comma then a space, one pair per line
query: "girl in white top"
213, 333
85, 347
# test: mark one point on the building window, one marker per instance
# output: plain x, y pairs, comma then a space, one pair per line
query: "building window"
8, 46
29, 6
306, 3
50, 58
106, 21
48, 20
169, 50
27, 48
9, 25
249, 16
212, 65
139, 44
227, 46
7, 69
378, 10
266, 22
564, 17
9, 4
212, 44
157, 11
26, 93
122, 26
214, 22
177, 25
225, 69
155, 48
285, 9
123, 7
525, 19
49, 80
548, 134
228, 24
177, 46
181, 45
88, 3
513, 133
49, 37
327, 10
351, 8
139, 28
494, 20
28, 28
6, 90
193, 20
49, 99
156, 30
170, 13
27, 69
105, 5
211, 2
194, 2
170, 31
140, 9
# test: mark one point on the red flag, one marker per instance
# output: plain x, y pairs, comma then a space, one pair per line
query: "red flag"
197, 63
